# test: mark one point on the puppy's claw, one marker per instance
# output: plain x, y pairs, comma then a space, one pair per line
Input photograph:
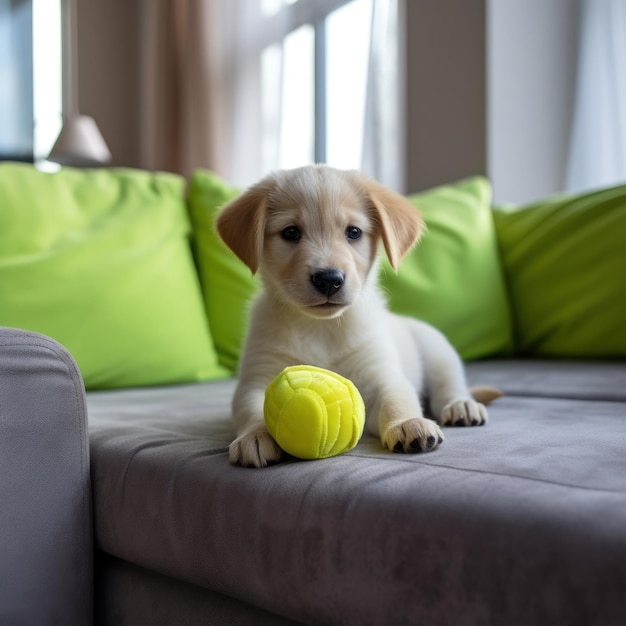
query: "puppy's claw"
413, 435
254, 449
464, 413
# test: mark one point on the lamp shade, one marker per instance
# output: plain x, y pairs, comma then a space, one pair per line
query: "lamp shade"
80, 144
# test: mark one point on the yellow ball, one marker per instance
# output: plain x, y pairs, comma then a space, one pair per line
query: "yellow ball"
313, 413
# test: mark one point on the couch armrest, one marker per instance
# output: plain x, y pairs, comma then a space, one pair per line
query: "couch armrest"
46, 545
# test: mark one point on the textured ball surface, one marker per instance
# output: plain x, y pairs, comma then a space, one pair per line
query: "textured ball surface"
313, 413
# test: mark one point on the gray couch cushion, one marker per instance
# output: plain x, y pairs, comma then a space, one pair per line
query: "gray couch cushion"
46, 547
598, 380
522, 521
134, 596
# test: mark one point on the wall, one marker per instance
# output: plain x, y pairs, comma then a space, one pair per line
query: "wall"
109, 73
445, 94
532, 75
490, 88
446, 91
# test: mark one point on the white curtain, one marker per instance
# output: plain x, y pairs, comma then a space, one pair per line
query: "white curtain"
254, 111
383, 147
598, 145
241, 90
203, 97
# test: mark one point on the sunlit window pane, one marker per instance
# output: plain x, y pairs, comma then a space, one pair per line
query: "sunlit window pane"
341, 45
347, 49
271, 7
47, 74
271, 70
297, 140
16, 95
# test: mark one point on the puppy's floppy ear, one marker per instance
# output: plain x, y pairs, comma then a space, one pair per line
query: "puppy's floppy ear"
400, 223
241, 223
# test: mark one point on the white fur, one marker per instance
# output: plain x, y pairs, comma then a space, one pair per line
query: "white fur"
392, 360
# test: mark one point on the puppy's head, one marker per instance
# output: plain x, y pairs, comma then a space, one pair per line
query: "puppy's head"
313, 232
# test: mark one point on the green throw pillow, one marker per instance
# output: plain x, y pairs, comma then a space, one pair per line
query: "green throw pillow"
565, 261
100, 261
228, 285
453, 278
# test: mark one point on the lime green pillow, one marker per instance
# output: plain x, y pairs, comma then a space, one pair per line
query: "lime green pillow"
565, 261
453, 278
227, 284
100, 261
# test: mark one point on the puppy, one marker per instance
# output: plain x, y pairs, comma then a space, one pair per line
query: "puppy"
314, 234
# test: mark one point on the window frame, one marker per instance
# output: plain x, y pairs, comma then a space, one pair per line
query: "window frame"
273, 32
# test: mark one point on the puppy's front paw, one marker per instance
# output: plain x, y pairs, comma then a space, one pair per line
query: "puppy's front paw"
413, 435
255, 448
464, 413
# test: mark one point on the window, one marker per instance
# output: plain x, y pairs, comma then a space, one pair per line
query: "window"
30, 77
47, 79
314, 81
16, 84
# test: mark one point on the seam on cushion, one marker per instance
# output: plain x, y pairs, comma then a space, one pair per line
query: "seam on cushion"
551, 396
495, 473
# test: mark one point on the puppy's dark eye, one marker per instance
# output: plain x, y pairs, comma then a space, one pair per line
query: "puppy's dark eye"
352, 232
291, 233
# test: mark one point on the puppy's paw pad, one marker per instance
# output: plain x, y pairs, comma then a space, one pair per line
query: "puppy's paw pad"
255, 449
464, 413
413, 435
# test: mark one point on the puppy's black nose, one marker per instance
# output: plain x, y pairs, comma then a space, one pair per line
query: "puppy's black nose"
328, 281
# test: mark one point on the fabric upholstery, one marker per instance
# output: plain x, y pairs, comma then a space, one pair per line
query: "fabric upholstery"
565, 262
522, 521
129, 595
227, 284
100, 261
575, 379
46, 548
453, 278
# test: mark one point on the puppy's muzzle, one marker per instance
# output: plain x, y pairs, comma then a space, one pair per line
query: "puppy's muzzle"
328, 281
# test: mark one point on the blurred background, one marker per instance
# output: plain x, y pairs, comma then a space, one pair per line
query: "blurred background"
531, 93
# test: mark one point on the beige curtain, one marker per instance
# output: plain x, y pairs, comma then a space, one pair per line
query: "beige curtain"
181, 90
202, 102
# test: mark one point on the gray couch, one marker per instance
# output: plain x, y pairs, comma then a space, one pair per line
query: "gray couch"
520, 522
46, 539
